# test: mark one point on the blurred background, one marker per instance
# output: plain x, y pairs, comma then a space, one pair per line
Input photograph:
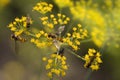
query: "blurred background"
100, 17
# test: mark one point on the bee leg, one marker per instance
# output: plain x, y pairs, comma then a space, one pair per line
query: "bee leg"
61, 51
16, 48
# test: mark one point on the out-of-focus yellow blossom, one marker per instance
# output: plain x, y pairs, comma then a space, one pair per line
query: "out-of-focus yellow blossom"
109, 34
117, 3
103, 28
63, 3
89, 16
92, 17
98, 36
56, 65
108, 5
113, 28
3, 3
43, 7
92, 59
19, 25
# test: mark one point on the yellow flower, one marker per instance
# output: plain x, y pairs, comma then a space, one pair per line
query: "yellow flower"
64, 67
17, 19
87, 58
49, 75
59, 15
23, 18
48, 66
52, 16
44, 58
50, 61
19, 32
98, 59
68, 34
68, 19
63, 62
13, 29
57, 72
38, 35
63, 73
77, 42
41, 32
94, 67
79, 25
32, 40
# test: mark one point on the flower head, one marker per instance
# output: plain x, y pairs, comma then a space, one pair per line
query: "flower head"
43, 7
56, 65
19, 25
92, 59
73, 39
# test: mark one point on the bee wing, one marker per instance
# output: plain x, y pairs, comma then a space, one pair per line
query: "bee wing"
61, 29
16, 47
28, 18
57, 44
28, 21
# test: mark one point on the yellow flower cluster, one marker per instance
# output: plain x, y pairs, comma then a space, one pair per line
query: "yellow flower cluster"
63, 3
41, 39
43, 7
56, 65
73, 39
92, 59
52, 21
19, 25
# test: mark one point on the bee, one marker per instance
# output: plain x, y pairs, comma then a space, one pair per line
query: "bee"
51, 35
57, 40
57, 35
17, 38
91, 61
60, 30
28, 21
60, 51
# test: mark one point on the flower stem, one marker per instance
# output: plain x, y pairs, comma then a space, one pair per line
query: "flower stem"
28, 33
76, 55
87, 40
